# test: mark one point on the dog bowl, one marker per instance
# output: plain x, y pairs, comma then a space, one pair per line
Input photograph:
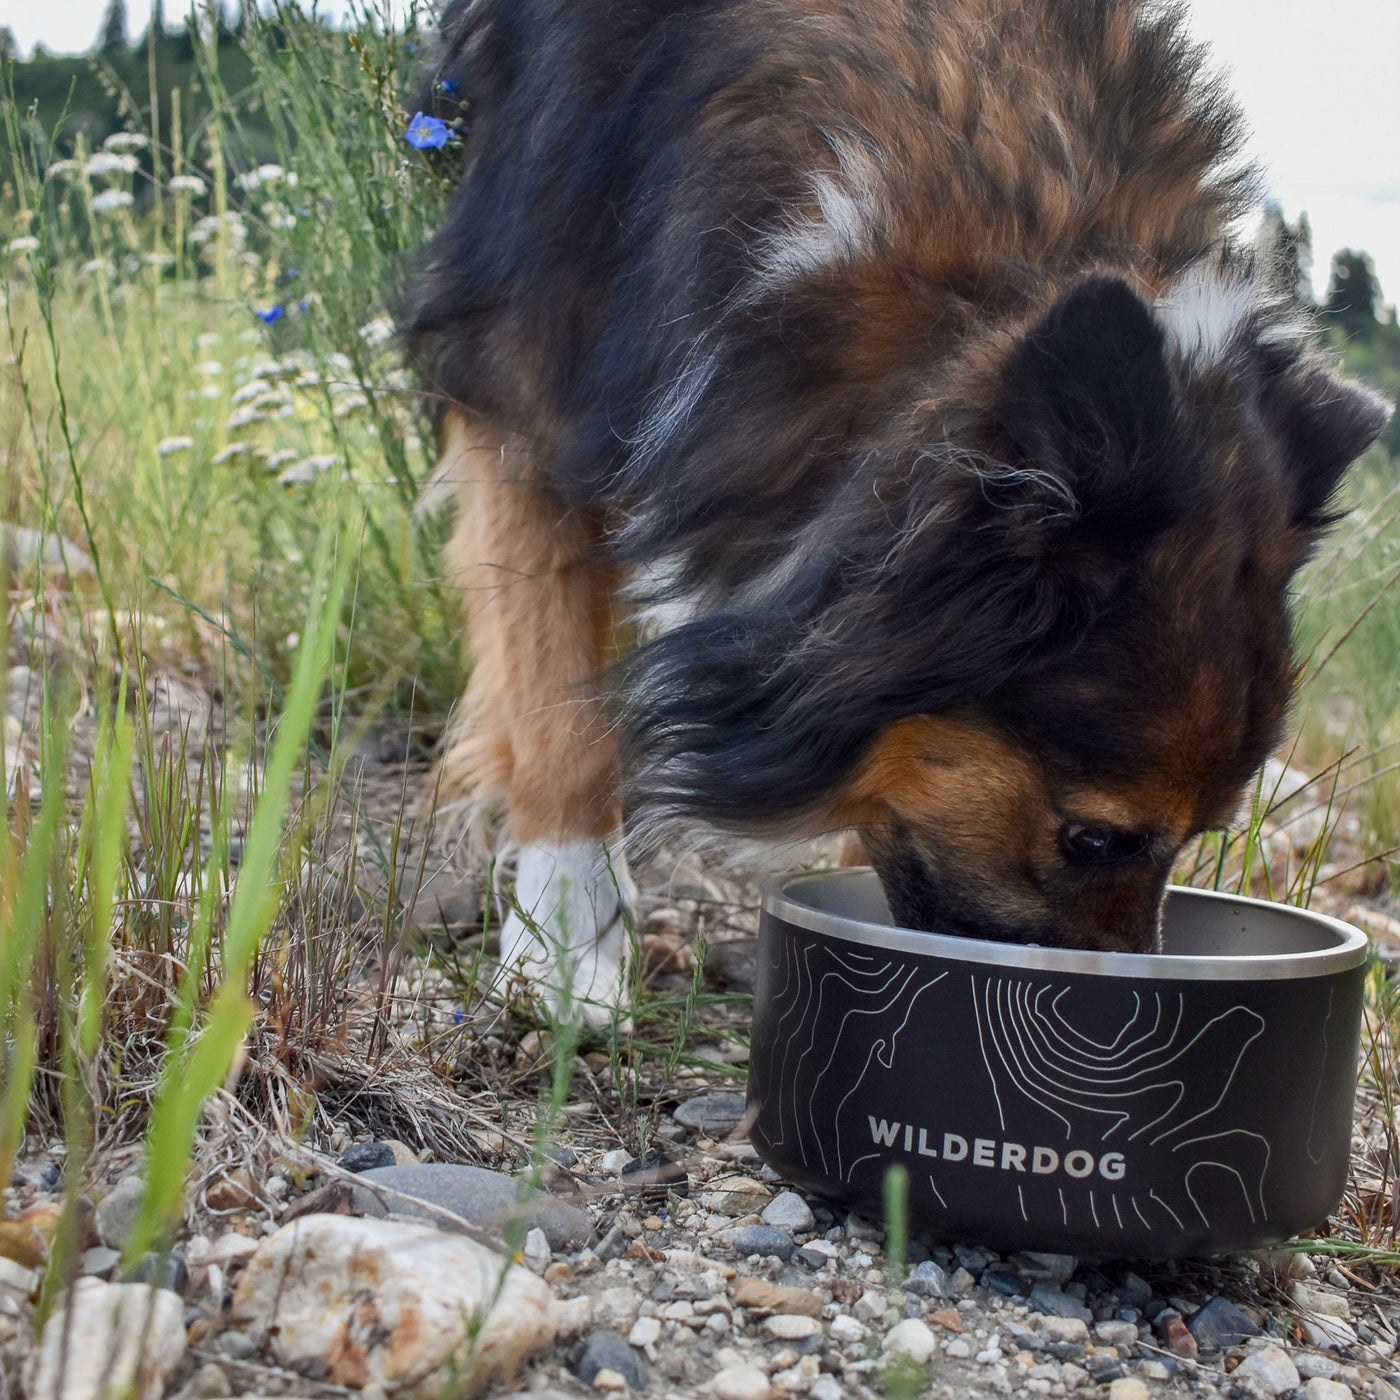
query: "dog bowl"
1116, 1104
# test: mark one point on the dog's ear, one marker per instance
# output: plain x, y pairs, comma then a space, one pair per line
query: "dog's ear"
1324, 423
1087, 407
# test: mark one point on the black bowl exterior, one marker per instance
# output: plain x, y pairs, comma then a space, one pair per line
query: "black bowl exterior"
1082, 1113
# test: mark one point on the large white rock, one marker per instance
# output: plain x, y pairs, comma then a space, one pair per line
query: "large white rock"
109, 1339
912, 1338
1267, 1373
393, 1305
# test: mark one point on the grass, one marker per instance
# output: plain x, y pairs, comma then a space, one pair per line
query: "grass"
204, 419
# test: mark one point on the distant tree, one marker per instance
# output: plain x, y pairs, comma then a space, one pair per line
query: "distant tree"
156, 31
1287, 252
7, 42
1353, 296
112, 40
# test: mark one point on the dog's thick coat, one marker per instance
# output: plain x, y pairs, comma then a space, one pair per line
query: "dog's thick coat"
893, 355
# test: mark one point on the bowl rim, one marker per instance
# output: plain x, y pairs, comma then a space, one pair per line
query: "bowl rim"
1351, 950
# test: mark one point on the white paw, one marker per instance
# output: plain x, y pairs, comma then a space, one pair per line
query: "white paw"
568, 930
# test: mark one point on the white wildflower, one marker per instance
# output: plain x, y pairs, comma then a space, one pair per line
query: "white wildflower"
207, 338
60, 167
110, 163
350, 403
25, 243
377, 332
125, 141
307, 469
263, 175
160, 260
209, 367
95, 266
280, 458
335, 360
244, 417
398, 381
207, 391
265, 368
253, 389
279, 218
188, 184
251, 336
233, 451
109, 201
167, 447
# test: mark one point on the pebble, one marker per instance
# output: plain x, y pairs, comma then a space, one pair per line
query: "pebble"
959, 1347
534, 1253
1053, 1303
1176, 1336
609, 1351
364, 1156
474, 1193
615, 1162
1219, 1324
117, 1211
607, 1379
1310, 1364
1128, 1388
777, 1298
1320, 1388
716, 1115
846, 1330
1116, 1334
790, 1327
1049, 1268
762, 1239
99, 1261
788, 1211
815, 1253
734, 1195
742, 1382
1068, 1329
928, 1280
645, 1331
1266, 1373
1322, 1331
912, 1338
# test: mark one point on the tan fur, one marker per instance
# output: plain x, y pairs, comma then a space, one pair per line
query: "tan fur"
531, 737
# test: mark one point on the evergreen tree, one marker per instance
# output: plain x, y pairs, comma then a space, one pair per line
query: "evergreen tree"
156, 31
1353, 295
113, 37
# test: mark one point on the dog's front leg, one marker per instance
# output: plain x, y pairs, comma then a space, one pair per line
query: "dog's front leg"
533, 736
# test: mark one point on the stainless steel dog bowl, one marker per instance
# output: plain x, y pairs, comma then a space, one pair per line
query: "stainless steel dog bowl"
1122, 1105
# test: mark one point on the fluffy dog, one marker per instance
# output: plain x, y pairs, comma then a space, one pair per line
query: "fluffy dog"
893, 357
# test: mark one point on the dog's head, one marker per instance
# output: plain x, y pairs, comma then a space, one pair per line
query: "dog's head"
1042, 635
1051, 810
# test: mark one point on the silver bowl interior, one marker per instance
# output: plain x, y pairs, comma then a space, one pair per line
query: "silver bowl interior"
1205, 934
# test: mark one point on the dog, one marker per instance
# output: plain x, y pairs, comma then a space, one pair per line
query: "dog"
864, 420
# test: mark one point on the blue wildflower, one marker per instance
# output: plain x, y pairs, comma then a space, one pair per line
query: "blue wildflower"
427, 133
268, 316
449, 85
303, 306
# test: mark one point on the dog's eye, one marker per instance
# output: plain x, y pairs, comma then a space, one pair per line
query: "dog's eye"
1100, 845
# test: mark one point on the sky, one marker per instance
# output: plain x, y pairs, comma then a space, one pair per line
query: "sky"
1319, 85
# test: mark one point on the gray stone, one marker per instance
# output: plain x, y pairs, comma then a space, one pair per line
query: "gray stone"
166, 1271
712, 1114
1053, 1303
732, 965
929, 1281
1134, 1288
1221, 1324
609, 1351
790, 1212
364, 1156
762, 1239
1266, 1373
973, 1259
117, 1211
477, 1194
99, 1261
237, 1346
1040, 1267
